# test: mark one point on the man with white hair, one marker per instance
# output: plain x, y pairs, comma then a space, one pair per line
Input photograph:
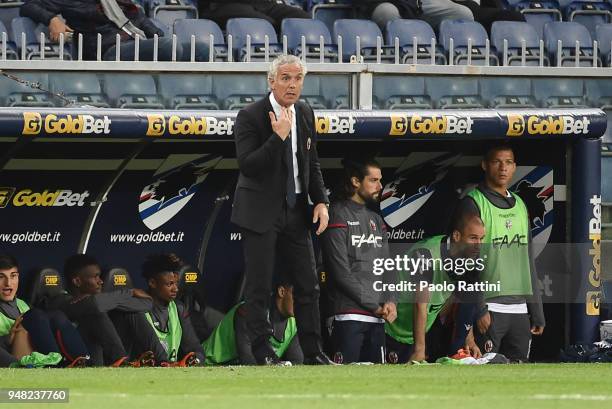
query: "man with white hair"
276, 148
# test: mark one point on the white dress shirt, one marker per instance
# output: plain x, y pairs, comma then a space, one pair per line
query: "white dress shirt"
277, 110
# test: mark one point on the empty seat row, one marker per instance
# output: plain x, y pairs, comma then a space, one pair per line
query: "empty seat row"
223, 91
590, 13
493, 92
170, 91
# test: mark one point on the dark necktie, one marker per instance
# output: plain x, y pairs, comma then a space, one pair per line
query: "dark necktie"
290, 179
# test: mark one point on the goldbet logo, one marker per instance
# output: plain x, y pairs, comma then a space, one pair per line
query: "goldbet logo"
176, 125
157, 125
334, 124
593, 302
120, 279
191, 277
5, 195
516, 125
51, 281
436, 124
593, 297
557, 125
46, 198
34, 124
399, 125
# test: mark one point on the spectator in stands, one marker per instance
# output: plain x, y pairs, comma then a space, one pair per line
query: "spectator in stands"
33, 336
486, 12
383, 11
271, 10
434, 11
107, 17
86, 305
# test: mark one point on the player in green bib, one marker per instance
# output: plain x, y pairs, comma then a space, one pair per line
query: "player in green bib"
229, 342
515, 310
418, 310
33, 337
173, 340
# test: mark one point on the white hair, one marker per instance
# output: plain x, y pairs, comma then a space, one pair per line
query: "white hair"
285, 59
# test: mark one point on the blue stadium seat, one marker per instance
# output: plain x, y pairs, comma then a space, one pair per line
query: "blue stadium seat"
8, 11
162, 26
32, 32
202, 30
559, 92
329, 12
568, 33
394, 92
334, 89
505, 92
537, 12
80, 87
237, 91
589, 13
312, 31
258, 29
461, 31
516, 32
11, 50
599, 95
405, 31
454, 93
311, 92
604, 42
368, 33
187, 91
16, 94
168, 11
131, 91
606, 184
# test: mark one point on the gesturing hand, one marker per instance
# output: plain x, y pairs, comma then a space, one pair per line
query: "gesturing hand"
57, 26
282, 125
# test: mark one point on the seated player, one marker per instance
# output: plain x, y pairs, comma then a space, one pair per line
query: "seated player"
167, 329
354, 239
229, 343
406, 336
32, 336
89, 308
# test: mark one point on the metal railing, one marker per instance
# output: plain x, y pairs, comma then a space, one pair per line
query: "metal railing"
410, 53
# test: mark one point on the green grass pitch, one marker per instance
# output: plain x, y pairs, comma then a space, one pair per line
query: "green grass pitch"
524, 386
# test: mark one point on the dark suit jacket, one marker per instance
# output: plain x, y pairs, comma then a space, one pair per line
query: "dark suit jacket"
262, 184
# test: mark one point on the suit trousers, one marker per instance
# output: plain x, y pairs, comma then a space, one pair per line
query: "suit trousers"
289, 240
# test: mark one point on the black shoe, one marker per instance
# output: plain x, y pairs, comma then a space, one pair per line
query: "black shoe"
264, 354
319, 359
270, 360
